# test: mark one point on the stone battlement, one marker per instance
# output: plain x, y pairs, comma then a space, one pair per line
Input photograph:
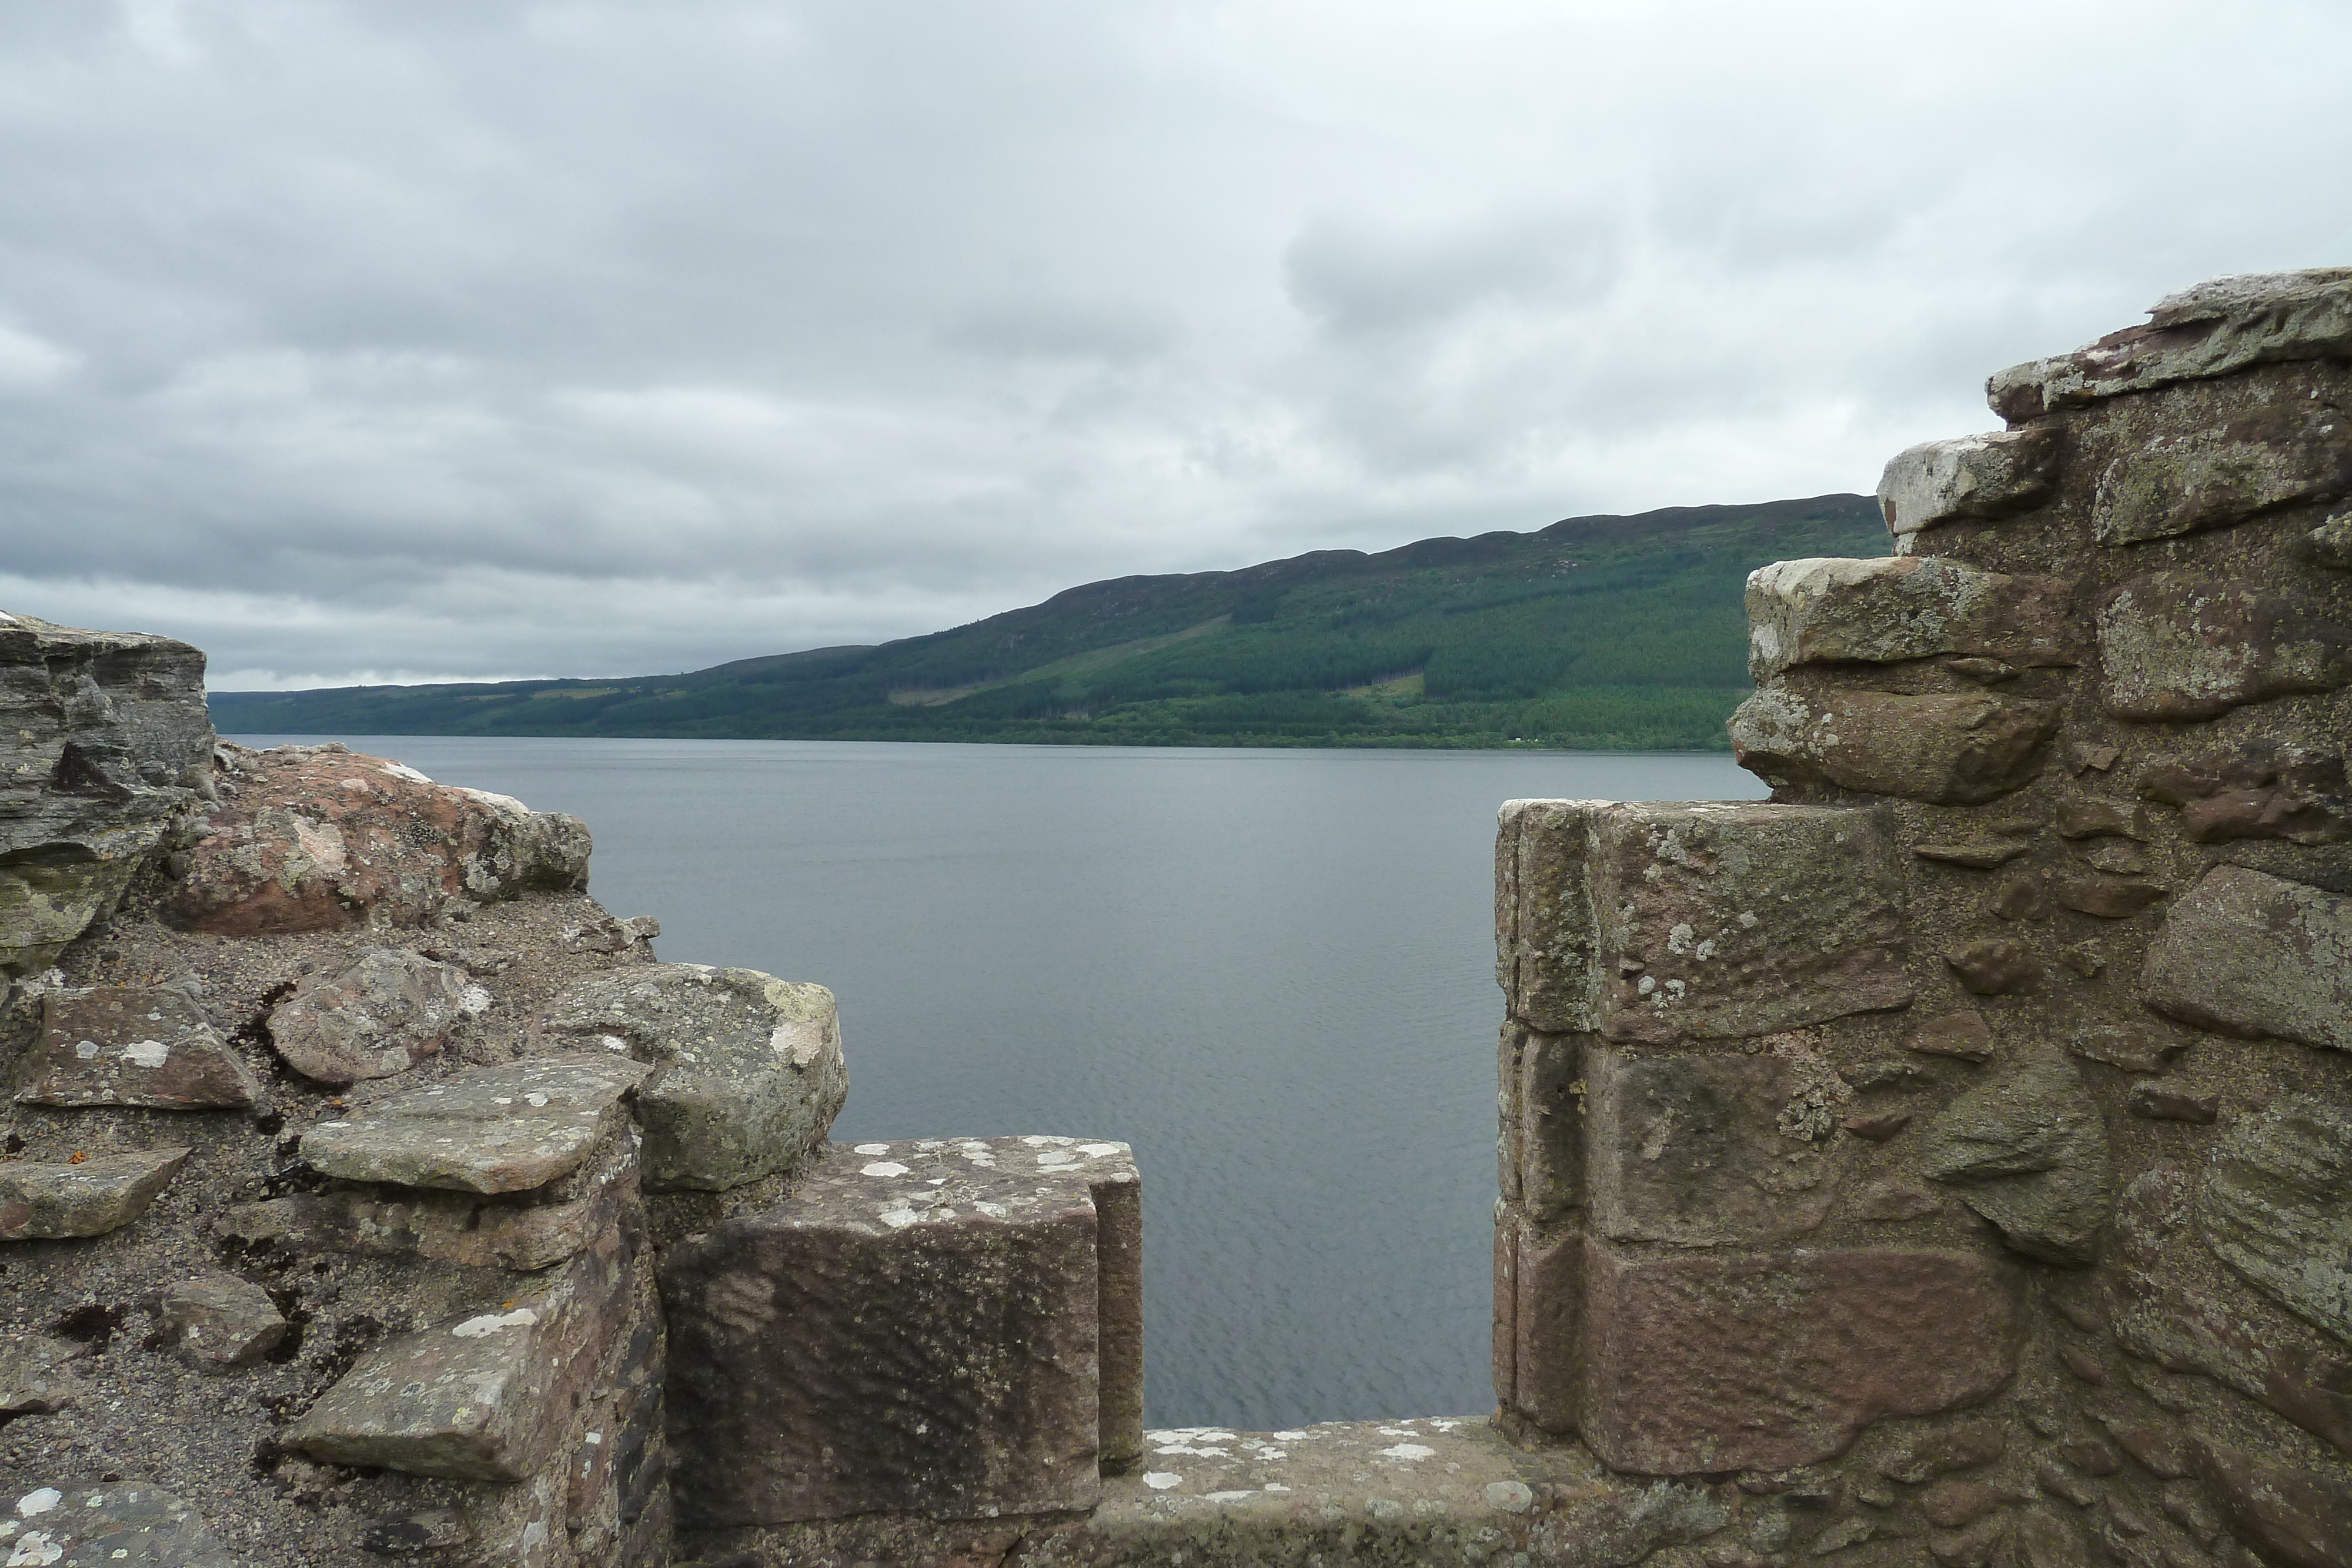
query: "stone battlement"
1946, 1161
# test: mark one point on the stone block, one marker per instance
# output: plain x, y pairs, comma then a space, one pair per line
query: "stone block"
1654, 922
1539, 1301
2028, 1151
921, 1327
2276, 1205
218, 1321
485, 1397
1905, 607
1705, 1364
748, 1071
2247, 954
133, 1523
375, 1017
46, 1202
485, 1130
1958, 750
525, 1230
1704, 1151
36, 1374
2183, 645
318, 838
1994, 968
1963, 1035
1546, 1125
2297, 1516
1995, 474
2180, 482
104, 739
2219, 326
149, 1046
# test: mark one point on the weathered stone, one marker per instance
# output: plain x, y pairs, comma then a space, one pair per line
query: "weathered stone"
525, 1231
2330, 544
2089, 817
1995, 968
1877, 1125
105, 1192
2164, 1452
2118, 858
1697, 1364
1979, 854
2091, 1456
946, 1335
1966, 1446
376, 1017
484, 1398
2056, 1481
1546, 1131
2186, 481
2135, 1048
2046, 1540
2184, 1327
2183, 645
1886, 1072
2083, 1364
319, 838
2303, 1517
2247, 954
104, 739
134, 1523
1996, 475
1904, 607
1538, 1310
219, 1320
2276, 1207
1654, 922
1950, 1504
149, 1046
2259, 788
1950, 750
747, 1068
1964, 1035
2108, 897
2221, 326
2162, 1101
487, 1130
1894, 1202
2021, 895
35, 1376
1691, 1149
2029, 1151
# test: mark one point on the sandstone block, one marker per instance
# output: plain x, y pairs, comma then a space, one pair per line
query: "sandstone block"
1971, 477
1701, 1364
219, 1320
1655, 922
104, 737
35, 1376
2182, 1326
486, 1130
2221, 326
2300, 1516
921, 1327
1544, 1128
2330, 544
1966, 1446
374, 1017
1539, 1310
485, 1397
149, 1046
1703, 1151
1904, 607
2108, 897
748, 1071
42, 1202
2247, 954
2183, 482
2259, 788
2131, 1047
1963, 1035
2162, 1101
1994, 968
1948, 750
2028, 1151
319, 838
2276, 1207
134, 1523
525, 1230
2183, 645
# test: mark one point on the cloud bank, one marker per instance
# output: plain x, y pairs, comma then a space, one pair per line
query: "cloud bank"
463, 338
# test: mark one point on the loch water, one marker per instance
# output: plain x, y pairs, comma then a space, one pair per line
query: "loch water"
1272, 972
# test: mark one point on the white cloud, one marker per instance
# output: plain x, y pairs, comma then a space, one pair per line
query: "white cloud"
583, 337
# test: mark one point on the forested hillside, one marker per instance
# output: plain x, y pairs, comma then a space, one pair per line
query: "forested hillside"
1597, 633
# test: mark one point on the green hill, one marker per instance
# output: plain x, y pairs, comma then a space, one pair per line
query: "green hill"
1594, 633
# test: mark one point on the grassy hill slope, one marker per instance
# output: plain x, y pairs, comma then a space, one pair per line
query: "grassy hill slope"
1594, 633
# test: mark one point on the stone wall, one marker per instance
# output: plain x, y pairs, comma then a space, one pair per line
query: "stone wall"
1957, 1150
1948, 1161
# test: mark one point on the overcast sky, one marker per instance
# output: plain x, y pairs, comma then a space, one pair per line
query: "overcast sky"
461, 339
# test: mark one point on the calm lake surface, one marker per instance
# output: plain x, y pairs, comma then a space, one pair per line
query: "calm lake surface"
1272, 972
